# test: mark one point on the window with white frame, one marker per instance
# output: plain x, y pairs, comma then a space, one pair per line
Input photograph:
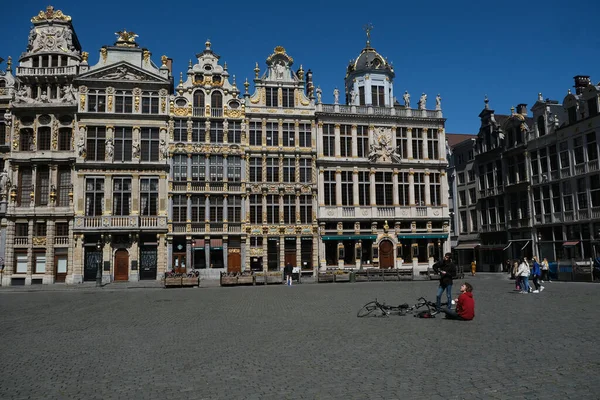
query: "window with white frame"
305, 209
305, 170
150, 103
272, 134
123, 102
179, 208
216, 208
42, 189
198, 132
289, 209
420, 189
347, 188
417, 143
179, 167
234, 209
149, 196
180, 130
234, 134
255, 169
272, 169
328, 140
198, 168
592, 147
96, 141
20, 263
288, 134
216, 132
255, 134
403, 189
364, 188
435, 189
362, 141
473, 220
271, 97
94, 196
402, 142
329, 186
305, 135
289, 169
582, 202
378, 95
234, 169
149, 141
256, 207
198, 209
578, 150
96, 102
433, 152
595, 190
64, 186
287, 97
384, 188
272, 209
345, 140
567, 196
216, 168
44, 138
123, 142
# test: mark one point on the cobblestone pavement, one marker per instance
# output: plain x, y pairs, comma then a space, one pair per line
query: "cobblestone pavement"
299, 342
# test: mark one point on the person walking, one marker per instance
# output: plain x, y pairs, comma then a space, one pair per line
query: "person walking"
518, 280
523, 273
473, 267
545, 270
447, 270
536, 273
287, 271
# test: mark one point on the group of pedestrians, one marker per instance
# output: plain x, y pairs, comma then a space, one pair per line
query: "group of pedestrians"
525, 269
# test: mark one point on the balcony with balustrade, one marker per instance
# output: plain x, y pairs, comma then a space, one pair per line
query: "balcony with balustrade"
206, 228
120, 223
205, 187
366, 212
397, 111
50, 72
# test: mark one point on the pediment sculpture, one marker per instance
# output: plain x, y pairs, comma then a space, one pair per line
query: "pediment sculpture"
381, 150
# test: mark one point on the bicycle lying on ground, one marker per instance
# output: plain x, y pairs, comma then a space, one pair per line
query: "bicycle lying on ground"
377, 309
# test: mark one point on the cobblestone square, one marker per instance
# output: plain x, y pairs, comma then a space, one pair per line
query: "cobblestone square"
299, 342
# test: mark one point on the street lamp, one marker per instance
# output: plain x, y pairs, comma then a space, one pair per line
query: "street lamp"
539, 240
360, 254
99, 263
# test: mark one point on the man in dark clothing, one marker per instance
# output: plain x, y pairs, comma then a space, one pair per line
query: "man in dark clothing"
447, 270
287, 272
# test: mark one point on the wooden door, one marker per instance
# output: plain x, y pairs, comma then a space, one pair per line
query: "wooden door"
290, 257
386, 254
234, 262
60, 267
179, 262
121, 265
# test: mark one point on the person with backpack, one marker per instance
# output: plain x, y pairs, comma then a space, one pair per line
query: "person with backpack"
287, 272
465, 305
446, 269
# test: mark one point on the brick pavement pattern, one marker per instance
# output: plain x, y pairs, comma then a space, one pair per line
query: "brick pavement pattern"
299, 342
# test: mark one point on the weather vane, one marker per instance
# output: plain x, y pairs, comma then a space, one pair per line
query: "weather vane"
368, 28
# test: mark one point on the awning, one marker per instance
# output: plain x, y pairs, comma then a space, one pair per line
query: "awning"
508, 245
571, 244
424, 236
523, 248
349, 237
216, 244
492, 247
466, 246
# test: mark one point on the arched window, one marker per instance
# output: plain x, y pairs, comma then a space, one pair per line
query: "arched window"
216, 100
541, 125
2, 83
199, 99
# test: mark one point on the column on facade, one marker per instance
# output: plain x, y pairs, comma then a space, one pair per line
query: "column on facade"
134, 276
281, 252
135, 194
225, 163
368, 97
321, 190
409, 150
424, 144
296, 133
444, 186
188, 168
243, 252
442, 145
53, 181
30, 254
161, 265
299, 251
107, 206
264, 132
225, 250
355, 186
50, 231
316, 256
411, 187
338, 187
225, 205
207, 252
428, 189
319, 134
395, 198
372, 191
265, 263
33, 183
337, 143
280, 128
169, 253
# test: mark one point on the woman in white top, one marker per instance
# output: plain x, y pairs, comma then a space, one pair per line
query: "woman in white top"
523, 272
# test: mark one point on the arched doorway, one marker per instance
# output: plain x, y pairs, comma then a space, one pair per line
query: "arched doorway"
121, 265
386, 254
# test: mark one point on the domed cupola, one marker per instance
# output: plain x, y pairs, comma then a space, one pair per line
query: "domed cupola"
369, 78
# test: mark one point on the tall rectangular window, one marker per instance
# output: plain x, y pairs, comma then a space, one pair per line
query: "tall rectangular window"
150, 103
179, 167
216, 208
94, 196
234, 209
180, 130
564, 154
272, 134
271, 100
255, 134
216, 132
256, 169
420, 189
592, 147
567, 196
417, 143
149, 196
383, 188
179, 208
123, 143
582, 202
403, 189
401, 142
305, 170
42, 186
305, 209
44, 138
378, 95
272, 209
216, 168
272, 169
198, 168
234, 169
150, 140
96, 140
432, 144
256, 208
362, 141
64, 186
435, 189
347, 188
124, 102
288, 134
595, 190
289, 209
346, 140
121, 196
364, 188
556, 203
20, 262
328, 140
40, 262
198, 209
578, 150
25, 186
26, 139
288, 97
234, 134
305, 135
65, 139
289, 170
198, 132
329, 185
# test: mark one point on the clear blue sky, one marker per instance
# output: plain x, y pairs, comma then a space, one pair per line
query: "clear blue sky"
509, 50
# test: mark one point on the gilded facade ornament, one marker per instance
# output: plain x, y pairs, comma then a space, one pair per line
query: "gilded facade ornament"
55, 134
103, 54
84, 56
109, 103
82, 102
49, 15
164, 59
136, 104
146, 56
126, 39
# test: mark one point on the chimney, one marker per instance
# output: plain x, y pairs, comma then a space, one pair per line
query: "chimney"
522, 109
581, 82
170, 65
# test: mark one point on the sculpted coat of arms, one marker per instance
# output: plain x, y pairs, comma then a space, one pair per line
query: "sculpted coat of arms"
382, 150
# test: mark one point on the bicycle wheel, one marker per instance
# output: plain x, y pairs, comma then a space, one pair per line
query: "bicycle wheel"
371, 309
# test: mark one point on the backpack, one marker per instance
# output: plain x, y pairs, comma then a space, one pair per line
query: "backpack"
424, 314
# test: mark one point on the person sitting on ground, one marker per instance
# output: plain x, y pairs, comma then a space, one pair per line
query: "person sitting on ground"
465, 305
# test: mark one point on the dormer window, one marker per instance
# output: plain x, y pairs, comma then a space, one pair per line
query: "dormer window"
234, 105
541, 125
199, 78
208, 67
378, 96
572, 113
180, 102
216, 100
199, 99
593, 106
271, 97
288, 98
216, 79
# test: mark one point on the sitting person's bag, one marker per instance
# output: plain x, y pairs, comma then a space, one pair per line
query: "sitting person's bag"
424, 314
